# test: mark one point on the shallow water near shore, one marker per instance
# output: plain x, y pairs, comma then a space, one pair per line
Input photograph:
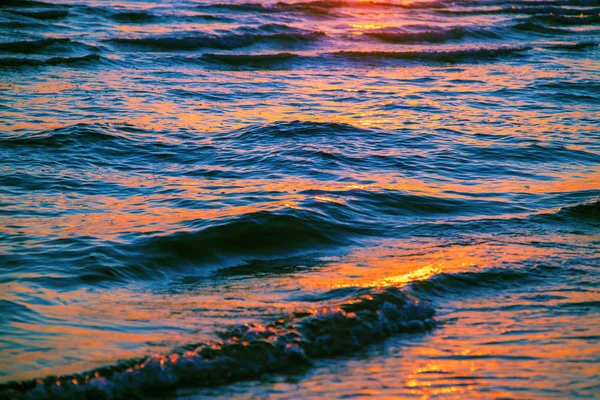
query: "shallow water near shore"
299, 199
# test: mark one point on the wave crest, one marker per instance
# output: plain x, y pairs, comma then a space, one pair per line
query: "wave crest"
250, 236
588, 211
61, 137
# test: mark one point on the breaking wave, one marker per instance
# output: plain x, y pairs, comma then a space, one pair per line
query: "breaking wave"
244, 351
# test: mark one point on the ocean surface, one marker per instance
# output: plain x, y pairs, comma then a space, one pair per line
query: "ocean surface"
308, 199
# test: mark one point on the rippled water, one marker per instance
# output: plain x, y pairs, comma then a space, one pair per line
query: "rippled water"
227, 198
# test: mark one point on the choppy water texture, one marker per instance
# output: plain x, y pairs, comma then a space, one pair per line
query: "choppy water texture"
299, 199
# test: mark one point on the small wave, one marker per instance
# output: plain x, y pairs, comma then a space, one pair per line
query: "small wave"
533, 3
286, 265
272, 28
568, 20
531, 26
572, 46
250, 236
239, 7
11, 311
444, 283
436, 56
396, 203
136, 17
62, 137
252, 60
149, 17
298, 129
31, 46
317, 7
590, 86
209, 17
312, 7
430, 36
278, 60
104, 144
225, 42
531, 10
245, 351
532, 153
587, 211
25, 62
326, 6
21, 24
43, 14
27, 4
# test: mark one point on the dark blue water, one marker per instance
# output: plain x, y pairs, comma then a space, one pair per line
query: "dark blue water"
303, 199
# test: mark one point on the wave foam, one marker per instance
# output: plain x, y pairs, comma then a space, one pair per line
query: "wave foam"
244, 351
